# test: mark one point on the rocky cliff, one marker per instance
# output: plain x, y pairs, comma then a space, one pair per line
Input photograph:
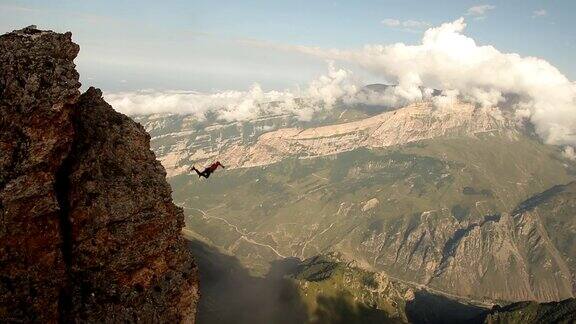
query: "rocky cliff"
88, 231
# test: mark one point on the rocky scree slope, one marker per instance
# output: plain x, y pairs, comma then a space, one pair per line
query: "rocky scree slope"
88, 230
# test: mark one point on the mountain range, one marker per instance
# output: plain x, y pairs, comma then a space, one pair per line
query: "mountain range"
459, 199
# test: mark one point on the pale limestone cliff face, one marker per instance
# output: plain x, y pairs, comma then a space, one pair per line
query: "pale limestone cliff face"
416, 122
419, 121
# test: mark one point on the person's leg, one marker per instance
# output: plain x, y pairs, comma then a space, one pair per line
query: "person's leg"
197, 172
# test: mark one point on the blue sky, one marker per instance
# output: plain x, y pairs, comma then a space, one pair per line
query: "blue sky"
209, 45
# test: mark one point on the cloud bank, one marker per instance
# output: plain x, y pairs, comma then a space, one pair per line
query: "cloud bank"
406, 25
322, 93
539, 13
445, 59
480, 10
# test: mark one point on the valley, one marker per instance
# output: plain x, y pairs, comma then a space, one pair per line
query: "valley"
432, 198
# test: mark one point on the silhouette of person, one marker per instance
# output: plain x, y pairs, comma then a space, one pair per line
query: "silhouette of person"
209, 170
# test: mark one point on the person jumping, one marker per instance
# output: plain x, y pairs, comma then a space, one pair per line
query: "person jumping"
209, 170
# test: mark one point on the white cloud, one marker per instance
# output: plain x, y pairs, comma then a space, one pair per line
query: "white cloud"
444, 59
479, 10
539, 13
406, 25
447, 99
338, 84
415, 24
322, 93
447, 59
391, 22
390, 97
230, 105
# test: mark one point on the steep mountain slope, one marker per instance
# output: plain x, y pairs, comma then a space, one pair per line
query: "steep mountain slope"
181, 140
555, 209
88, 231
423, 213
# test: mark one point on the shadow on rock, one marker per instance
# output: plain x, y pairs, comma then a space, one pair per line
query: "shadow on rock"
341, 310
229, 294
432, 309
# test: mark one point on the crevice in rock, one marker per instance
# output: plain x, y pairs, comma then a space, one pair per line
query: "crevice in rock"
62, 189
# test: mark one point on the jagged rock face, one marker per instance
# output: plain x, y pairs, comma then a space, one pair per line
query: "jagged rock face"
510, 245
89, 231
38, 86
552, 211
125, 244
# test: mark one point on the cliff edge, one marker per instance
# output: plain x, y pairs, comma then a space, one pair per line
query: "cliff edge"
88, 230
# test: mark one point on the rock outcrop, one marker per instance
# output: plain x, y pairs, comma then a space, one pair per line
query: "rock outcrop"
88, 230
